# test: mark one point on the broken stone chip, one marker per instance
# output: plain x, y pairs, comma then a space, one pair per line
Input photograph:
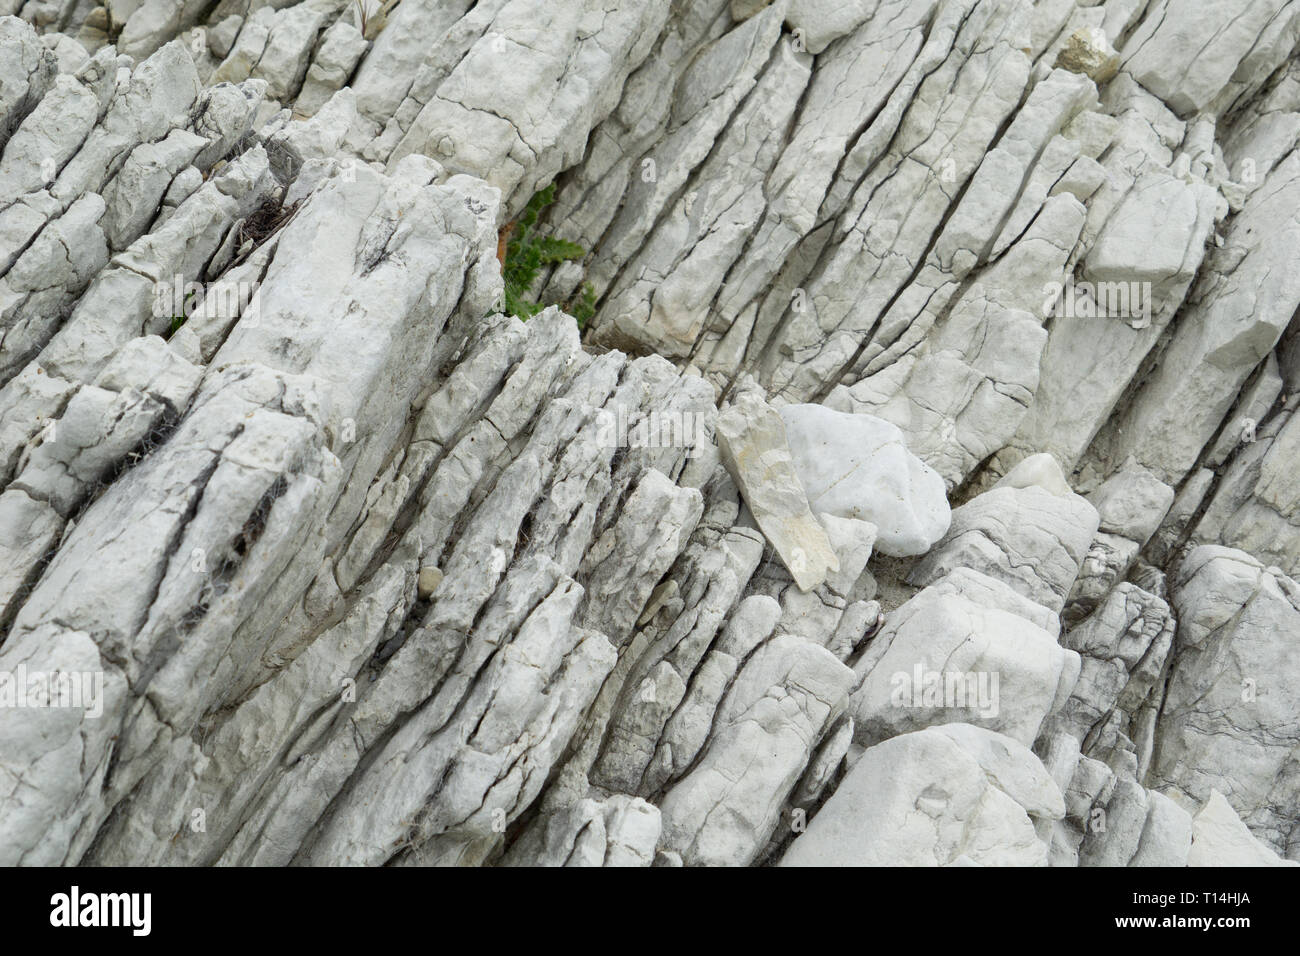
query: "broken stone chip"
755, 451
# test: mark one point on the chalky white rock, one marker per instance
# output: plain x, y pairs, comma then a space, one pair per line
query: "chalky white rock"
978, 323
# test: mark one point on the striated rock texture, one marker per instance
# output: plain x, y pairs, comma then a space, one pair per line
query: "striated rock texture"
920, 483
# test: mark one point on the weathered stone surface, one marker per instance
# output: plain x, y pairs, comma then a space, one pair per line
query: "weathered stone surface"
1219, 838
1123, 647
785, 697
857, 466
1090, 52
956, 656
30, 70
356, 569
755, 447
1227, 720
1030, 531
620, 831
1254, 506
1241, 39
931, 797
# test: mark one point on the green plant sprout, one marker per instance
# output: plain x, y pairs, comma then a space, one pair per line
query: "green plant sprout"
526, 253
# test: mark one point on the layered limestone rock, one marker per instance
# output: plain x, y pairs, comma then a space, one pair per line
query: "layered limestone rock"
1228, 721
916, 484
943, 796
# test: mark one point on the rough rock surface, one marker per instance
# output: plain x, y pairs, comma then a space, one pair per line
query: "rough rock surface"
920, 487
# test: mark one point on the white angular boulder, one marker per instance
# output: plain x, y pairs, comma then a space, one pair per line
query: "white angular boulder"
1029, 531
947, 656
931, 798
754, 448
858, 466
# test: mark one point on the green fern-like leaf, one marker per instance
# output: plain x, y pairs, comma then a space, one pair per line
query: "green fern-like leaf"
554, 250
527, 254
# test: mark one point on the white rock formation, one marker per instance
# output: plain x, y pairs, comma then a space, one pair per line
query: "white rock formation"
1029, 531
1219, 838
932, 798
857, 466
962, 655
919, 488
